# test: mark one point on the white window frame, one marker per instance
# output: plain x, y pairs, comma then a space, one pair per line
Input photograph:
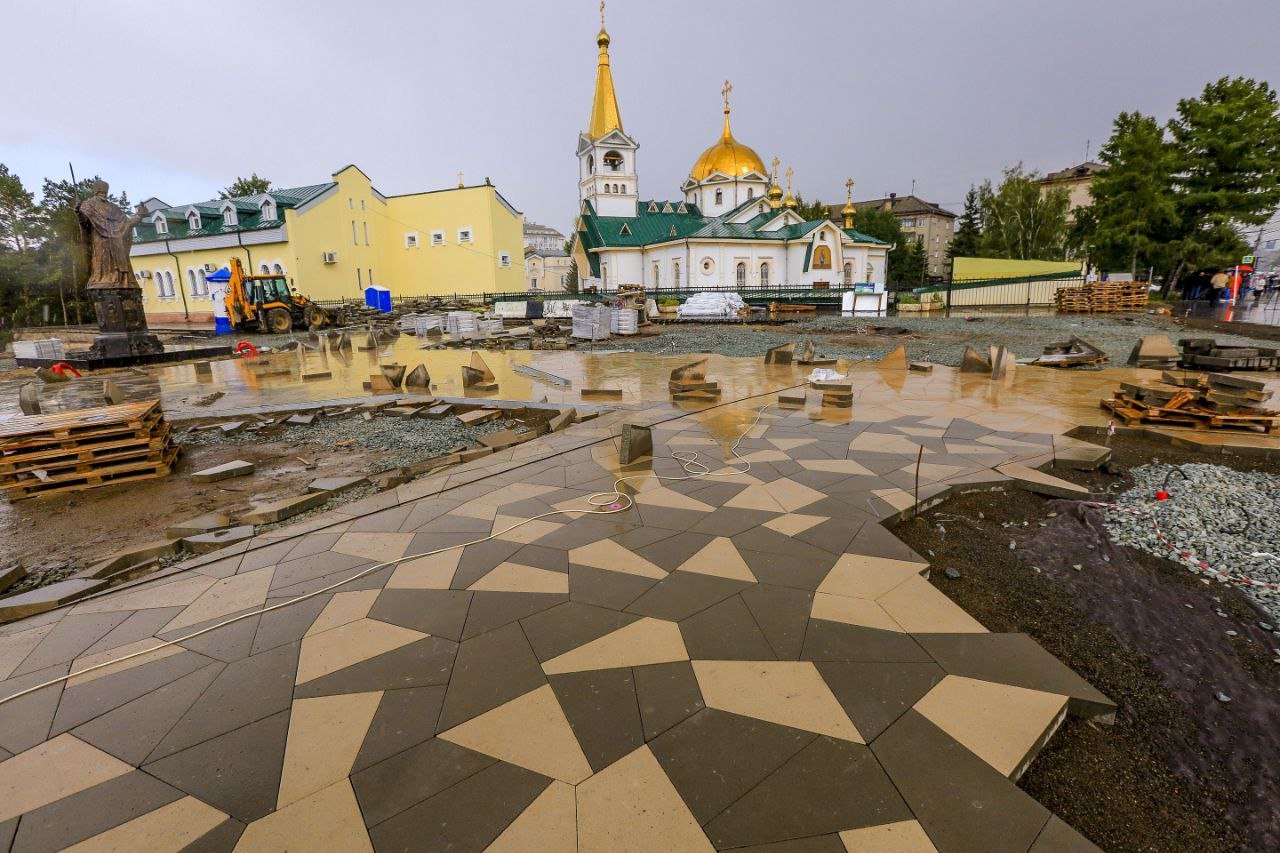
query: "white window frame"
268, 208
411, 239
466, 235
504, 259
193, 220
160, 223
230, 217
437, 238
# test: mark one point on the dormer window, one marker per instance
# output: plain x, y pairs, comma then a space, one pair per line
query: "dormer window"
161, 224
193, 220
229, 217
268, 208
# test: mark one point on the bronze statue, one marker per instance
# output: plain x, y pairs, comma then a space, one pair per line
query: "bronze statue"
109, 233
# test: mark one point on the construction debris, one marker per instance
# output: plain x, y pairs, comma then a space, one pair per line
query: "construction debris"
1206, 352
637, 442
393, 373
808, 356
542, 375
791, 399
601, 393
226, 471
29, 399
83, 449
1002, 361
1103, 297
1154, 351
1076, 352
478, 375
780, 354
974, 363
921, 366
1213, 401
418, 378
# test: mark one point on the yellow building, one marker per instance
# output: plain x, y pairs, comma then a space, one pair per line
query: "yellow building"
331, 240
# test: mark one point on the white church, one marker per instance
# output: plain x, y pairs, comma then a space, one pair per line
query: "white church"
733, 227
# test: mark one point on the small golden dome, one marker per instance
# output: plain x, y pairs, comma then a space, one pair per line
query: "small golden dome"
603, 39
775, 191
848, 209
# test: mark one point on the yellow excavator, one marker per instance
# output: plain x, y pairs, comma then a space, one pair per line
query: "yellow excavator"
266, 303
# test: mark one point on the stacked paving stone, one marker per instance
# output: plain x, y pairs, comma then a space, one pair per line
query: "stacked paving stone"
1202, 401
1206, 352
83, 449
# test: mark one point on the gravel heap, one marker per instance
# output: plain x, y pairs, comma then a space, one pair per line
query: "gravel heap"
408, 440
1227, 518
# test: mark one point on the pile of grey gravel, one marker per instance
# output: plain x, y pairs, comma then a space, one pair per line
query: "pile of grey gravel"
1229, 519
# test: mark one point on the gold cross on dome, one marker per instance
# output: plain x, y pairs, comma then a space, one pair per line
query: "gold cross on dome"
728, 87
602, 14
790, 172
459, 180
776, 163
848, 186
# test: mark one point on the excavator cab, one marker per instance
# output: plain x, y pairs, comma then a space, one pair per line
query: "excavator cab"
267, 303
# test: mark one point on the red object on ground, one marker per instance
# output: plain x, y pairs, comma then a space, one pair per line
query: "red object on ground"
247, 349
1162, 495
62, 367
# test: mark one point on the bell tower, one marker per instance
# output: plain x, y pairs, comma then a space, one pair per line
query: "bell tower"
606, 154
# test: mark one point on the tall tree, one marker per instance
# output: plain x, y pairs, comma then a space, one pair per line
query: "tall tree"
1226, 170
810, 211
252, 185
968, 237
883, 225
1021, 221
1133, 213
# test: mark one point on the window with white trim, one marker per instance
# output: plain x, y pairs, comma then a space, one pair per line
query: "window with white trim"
229, 217
191, 281
464, 235
504, 260
411, 240
437, 238
277, 268
268, 208
161, 224
193, 220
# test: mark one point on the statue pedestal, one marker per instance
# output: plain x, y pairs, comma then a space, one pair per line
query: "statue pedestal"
122, 324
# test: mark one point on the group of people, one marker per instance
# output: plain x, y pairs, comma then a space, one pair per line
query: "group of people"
1214, 286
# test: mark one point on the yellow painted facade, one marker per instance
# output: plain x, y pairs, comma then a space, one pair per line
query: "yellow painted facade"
337, 241
983, 268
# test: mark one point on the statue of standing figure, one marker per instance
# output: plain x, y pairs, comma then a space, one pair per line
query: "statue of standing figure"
109, 231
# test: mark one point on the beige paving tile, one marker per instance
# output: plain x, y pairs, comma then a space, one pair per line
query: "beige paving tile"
512, 577
905, 836
934, 471
509, 528
548, 825
170, 827
666, 498
923, 432
793, 523
644, 641
51, 771
864, 576
882, 442
610, 556
721, 559
793, 496
379, 547
896, 498
349, 644
921, 608
791, 443
325, 734
758, 496
15, 648
852, 611
343, 608
177, 594
789, 693
115, 654
1001, 724
433, 572
765, 455
329, 819
632, 805
478, 508
837, 466
530, 731
227, 596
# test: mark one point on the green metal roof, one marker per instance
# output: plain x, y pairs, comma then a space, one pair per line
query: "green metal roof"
248, 214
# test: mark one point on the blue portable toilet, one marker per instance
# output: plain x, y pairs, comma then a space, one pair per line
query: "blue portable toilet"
217, 292
378, 297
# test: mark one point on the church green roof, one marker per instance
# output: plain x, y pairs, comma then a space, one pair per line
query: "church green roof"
248, 214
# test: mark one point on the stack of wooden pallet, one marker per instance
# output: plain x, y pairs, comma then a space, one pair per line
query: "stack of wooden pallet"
84, 449
1102, 297
1199, 401
1206, 352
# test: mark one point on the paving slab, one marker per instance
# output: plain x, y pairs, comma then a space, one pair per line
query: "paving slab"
335, 485
205, 542
283, 508
224, 471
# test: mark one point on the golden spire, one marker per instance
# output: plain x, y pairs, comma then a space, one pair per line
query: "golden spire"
789, 202
775, 191
605, 117
460, 184
727, 136
848, 210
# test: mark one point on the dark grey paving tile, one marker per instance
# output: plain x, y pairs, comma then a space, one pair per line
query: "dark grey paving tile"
237, 772
960, 800
422, 663
133, 730
83, 815
729, 521
812, 844
837, 641
348, 580
601, 708
782, 614
409, 777
480, 559
490, 610
243, 692
542, 557
8, 829
270, 555
221, 839
229, 643
612, 590
25, 722
876, 541
1018, 660
584, 531
797, 570
385, 521
566, 626
293, 572
490, 669
713, 758
438, 612
69, 639
1058, 836
725, 631
681, 594
82, 702
451, 819
289, 624
874, 695
404, 718
829, 786
661, 518
138, 626
672, 551
833, 536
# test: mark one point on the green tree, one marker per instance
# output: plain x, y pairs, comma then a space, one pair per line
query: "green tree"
252, 185
809, 212
1226, 171
571, 280
904, 266
1019, 221
968, 237
1133, 214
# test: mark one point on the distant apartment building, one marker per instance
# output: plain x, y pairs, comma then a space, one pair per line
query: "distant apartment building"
928, 224
546, 270
1076, 181
542, 236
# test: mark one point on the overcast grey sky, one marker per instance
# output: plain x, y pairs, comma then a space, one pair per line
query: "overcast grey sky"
175, 100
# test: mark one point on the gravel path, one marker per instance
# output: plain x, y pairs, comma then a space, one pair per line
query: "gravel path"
937, 339
1228, 518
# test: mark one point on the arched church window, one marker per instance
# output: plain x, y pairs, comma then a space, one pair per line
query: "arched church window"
751, 193
604, 273
591, 163
868, 278
624, 189
848, 274
607, 188
613, 161
741, 275
719, 196
675, 273
263, 269
656, 275
822, 258
762, 208
764, 275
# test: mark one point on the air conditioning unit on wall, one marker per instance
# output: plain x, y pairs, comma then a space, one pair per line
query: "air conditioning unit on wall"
144, 274
210, 268
330, 257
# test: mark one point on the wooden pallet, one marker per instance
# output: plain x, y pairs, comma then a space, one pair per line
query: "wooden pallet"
127, 456
78, 481
1135, 412
80, 452
82, 426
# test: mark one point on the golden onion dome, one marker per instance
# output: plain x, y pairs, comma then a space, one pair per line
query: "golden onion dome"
775, 191
728, 157
790, 202
848, 209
